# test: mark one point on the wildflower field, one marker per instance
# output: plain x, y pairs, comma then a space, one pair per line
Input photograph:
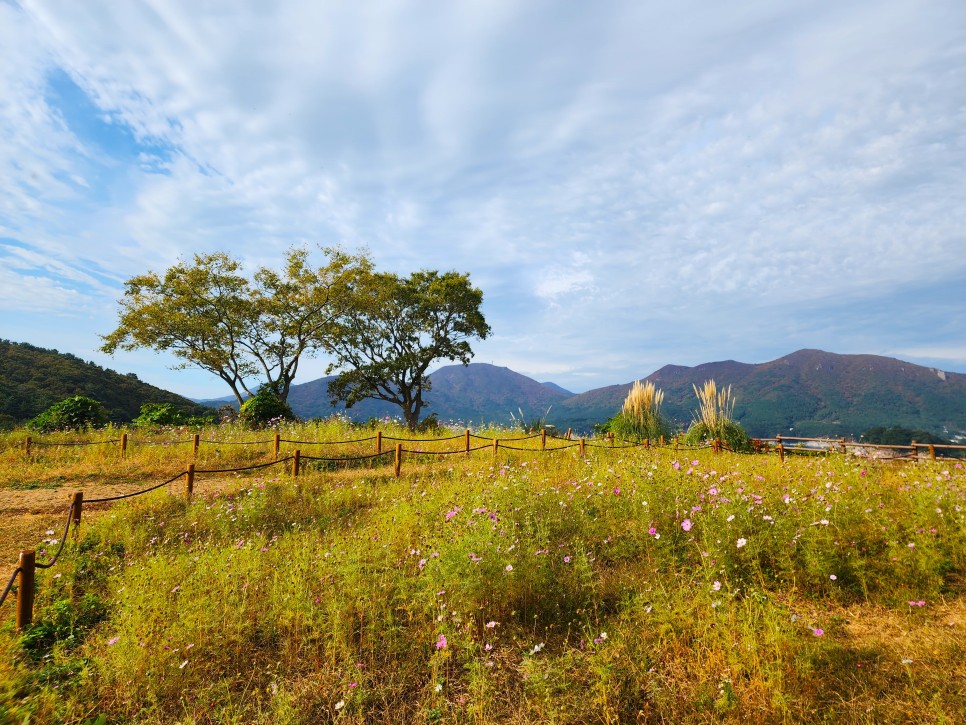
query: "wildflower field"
626, 585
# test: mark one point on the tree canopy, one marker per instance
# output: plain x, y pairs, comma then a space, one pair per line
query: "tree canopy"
393, 328
208, 314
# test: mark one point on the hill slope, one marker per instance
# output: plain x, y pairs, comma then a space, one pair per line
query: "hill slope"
32, 379
809, 393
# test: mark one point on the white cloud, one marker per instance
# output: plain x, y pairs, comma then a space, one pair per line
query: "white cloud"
636, 167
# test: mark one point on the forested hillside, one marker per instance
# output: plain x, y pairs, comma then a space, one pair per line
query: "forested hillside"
32, 379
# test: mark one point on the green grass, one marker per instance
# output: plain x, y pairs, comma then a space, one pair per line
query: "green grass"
631, 586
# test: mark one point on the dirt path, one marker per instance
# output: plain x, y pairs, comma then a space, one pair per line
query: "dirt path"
27, 516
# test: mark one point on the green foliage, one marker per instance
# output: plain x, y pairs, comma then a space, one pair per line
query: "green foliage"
391, 329
75, 413
727, 431
211, 316
63, 621
899, 436
713, 420
157, 415
640, 417
32, 379
263, 409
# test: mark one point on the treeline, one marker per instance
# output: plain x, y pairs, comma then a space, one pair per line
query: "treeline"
32, 379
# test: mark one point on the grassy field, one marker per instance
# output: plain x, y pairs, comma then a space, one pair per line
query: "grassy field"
628, 585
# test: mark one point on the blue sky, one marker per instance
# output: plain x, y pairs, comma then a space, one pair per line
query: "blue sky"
631, 184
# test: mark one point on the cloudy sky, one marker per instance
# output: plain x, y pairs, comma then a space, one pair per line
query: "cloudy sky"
630, 183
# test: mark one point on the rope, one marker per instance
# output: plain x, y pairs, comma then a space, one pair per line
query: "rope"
433, 453
158, 443
350, 458
82, 443
63, 539
136, 493
13, 578
327, 443
421, 440
243, 468
236, 443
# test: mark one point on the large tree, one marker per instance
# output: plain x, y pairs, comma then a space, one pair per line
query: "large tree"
210, 315
394, 328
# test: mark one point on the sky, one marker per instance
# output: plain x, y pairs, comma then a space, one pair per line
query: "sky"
631, 184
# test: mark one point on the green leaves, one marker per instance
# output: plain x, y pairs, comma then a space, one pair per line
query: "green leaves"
393, 328
213, 317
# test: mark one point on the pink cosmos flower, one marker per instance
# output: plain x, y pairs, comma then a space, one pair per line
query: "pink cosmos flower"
441, 642
652, 531
686, 524
818, 631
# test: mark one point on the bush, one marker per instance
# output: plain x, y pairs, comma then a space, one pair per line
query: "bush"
263, 409
156, 415
640, 417
713, 419
76, 413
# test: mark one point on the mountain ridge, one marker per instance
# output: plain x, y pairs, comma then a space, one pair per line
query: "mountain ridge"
808, 392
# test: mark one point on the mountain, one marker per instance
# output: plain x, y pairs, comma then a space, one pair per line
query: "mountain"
475, 393
806, 393
559, 389
32, 379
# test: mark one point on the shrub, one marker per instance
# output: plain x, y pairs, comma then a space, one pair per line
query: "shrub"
640, 417
75, 413
263, 409
156, 415
713, 419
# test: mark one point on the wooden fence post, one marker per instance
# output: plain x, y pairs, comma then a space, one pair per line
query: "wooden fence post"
296, 461
661, 441
915, 449
26, 446
278, 444
466, 441
25, 590
610, 437
78, 505
647, 442
398, 470
496, 446
378, 442
932, 452
197, 442
842, 444
582, 442
189, 485
780, 447
569, 431
123, 444
543, 439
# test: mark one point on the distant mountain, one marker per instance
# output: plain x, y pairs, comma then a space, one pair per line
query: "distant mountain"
807, 393
32, 379
475, 393
559, 389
